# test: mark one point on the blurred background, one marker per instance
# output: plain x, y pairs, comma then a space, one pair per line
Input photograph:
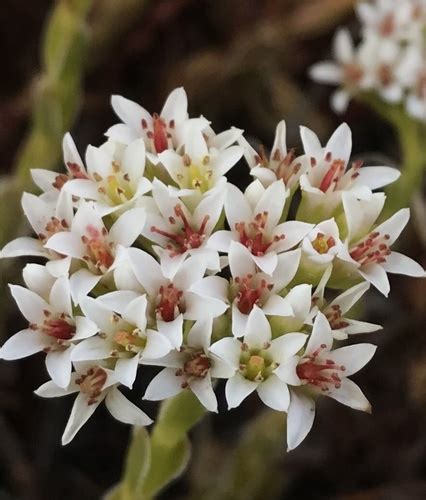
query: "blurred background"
242, 63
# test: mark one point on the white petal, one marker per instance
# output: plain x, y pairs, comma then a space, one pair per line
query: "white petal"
67, 243
350, 395
176, 105
58, 364
38, 279
239, 321
119, 300
287, 346
172, 330
212, 286
350, 297
128, 227
274, 393
203, 389
287, 266
237, 389
60, 296
300, 301
267, 262
228, 349
81, 283
340, 100
200, 334
93, 348
157, 345
85, 328
124, 410
340, 143
146, 269
135, 312
287, 371
301, 415
51, 390
398, 263
121, 133
376, 275
129, 112
220, 240
24, 246
343, 46
125, 370
258, 330
240, 261
353, 357
80, 414
310, 141
22, 344
164, 385
277, 306
395, 225
30, 304
83, 188
376, 177
326, 72
294, 232
237, 207
321, 335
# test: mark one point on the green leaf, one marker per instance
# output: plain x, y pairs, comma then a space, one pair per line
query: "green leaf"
138, 461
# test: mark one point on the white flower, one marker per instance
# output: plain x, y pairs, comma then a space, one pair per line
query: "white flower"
89, 241
250, 287
350, 70
127, 340
336, 309
192, 367
53, 327
322, 370
256, 360
319, 248
115, 176
368, 252
50, 182
46, 218
281, 163
94, 384
412, 73
257, 225
199, 167
170, 301
179, 233
327, 178
160, 132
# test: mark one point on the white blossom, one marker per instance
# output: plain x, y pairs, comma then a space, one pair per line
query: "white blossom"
256, 360
53, 327
192, 367
94, 384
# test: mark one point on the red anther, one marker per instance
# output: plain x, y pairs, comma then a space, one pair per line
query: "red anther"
169, 303
98, 248
144, 123
320, 373
328, 156
313, 161
188, 238
372, 249
160, 134
249, 293
76, 171
58, 328
92, 383
253, 235
387, 26
332, 175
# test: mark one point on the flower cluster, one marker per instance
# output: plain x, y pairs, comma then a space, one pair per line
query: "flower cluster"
390, 59
152, 258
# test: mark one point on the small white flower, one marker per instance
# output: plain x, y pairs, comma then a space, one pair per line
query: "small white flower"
89, 241
328, 177
257, 225
256, 360
322, 370
249, 287
178, 232
46, 218
94, 384
115, 176
281, 163
53, 327
159, 131
199, 168
192, 367
51, 183
370, 254
336, 309
127, 340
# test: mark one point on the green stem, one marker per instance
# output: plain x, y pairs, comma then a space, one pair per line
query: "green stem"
412, 138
